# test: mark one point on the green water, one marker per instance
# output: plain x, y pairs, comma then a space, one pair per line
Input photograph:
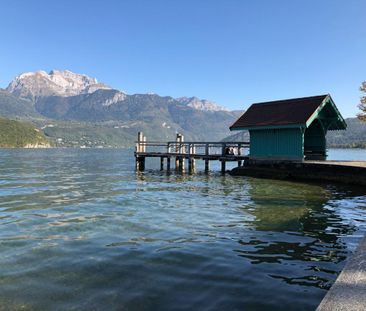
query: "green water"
80, 230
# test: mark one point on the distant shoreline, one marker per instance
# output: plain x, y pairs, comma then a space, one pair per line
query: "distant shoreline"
361, 146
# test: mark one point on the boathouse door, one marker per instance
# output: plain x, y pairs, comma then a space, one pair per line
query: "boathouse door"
314, 142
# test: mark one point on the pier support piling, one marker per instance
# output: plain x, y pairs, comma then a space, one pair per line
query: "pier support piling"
140, 147
179, 149
140, 163
181, 163
207, 165
223, 166
207, 162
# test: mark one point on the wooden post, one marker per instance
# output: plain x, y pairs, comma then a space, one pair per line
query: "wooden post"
140, 136
223, 149
140, 163
207, 162
181, 151
143, 143
207, 165
168, 158
193, 159
181, 146
189, 148
161, 163
177, 151
177, 138
138, 150
168, 163
223, 162
239, 153
223, 166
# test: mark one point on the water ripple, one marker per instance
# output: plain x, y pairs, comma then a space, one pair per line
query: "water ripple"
79, 229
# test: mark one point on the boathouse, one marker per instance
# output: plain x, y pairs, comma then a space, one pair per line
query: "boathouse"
291, 129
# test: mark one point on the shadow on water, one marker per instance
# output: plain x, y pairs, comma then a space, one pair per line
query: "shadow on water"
300, 225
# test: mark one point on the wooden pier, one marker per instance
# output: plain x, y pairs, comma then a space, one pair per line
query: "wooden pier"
181, 152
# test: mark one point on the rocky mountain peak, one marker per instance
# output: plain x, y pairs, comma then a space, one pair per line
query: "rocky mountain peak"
32, 85
200, 104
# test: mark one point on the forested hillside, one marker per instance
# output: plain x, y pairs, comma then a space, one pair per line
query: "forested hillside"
15, 134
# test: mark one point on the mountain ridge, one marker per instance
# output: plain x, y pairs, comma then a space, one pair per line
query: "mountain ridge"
69, 101
65, 83
31, 85
200, 104
76, 110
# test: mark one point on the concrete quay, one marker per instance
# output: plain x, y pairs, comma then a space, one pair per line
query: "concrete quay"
348, 293
349, 172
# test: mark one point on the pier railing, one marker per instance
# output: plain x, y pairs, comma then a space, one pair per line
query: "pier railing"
192, 148
189, 150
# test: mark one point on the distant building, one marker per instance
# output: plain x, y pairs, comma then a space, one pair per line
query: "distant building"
291, 129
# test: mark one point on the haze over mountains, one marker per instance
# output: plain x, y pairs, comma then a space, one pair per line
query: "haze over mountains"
75, 109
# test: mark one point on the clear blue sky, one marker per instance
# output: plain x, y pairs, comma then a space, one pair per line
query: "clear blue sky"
233, 52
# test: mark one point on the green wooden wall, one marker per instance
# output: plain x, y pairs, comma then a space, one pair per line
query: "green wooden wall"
277, 143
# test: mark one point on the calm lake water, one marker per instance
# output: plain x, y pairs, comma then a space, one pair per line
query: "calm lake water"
81, 230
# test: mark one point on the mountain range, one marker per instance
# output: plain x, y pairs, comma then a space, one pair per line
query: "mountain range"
76, 110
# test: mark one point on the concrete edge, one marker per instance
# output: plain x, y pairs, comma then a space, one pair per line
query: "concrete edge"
349, 290
354, 175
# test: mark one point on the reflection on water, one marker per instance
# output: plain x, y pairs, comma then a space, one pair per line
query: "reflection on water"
79, 229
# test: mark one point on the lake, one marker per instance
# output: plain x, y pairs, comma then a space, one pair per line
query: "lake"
81, 230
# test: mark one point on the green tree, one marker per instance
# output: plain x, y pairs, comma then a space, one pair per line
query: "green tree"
362, 104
